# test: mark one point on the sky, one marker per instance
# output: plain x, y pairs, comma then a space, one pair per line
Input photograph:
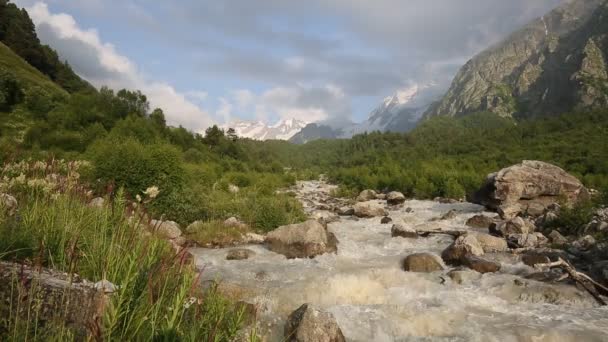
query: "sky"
210, 62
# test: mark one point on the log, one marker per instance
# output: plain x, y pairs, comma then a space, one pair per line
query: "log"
580, 278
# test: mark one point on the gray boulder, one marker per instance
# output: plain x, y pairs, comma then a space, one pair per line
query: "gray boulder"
422, 262
367, 195
345, 211
491, 244
480, 265
480, 221
166, 229
464, 245
557, 238
308, 324
302, 240
369, 209
516, 225
401, 230
395, 197
528, 187
464, 276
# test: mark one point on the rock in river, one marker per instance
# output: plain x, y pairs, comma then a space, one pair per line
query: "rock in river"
302, 240
308, 324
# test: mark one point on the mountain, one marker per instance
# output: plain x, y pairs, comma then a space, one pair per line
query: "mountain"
258, 130
555, 64
398, 113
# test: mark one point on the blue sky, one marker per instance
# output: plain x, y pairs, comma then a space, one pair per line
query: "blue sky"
208, 62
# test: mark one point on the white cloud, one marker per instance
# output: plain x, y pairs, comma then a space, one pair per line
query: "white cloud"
101, 64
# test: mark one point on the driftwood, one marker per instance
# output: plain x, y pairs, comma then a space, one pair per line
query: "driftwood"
454, 233
594, 288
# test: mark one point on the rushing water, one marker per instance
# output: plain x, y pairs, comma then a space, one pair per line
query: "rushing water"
374, 300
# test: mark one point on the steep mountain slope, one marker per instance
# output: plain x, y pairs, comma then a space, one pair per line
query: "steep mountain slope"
258, 130
554, 65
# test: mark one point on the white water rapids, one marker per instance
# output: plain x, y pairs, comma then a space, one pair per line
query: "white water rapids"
373, 299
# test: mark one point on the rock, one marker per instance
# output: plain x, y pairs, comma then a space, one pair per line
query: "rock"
308, 324
549, 217
346, 211
366, 195
444, 200
464, 245
253, 238
556, 238
105, 286
422, 262
585, 243
180, 241
523, 240
233, 189
532, 259
325, 216
166, 229
409, 210
480, 265
462, 276
395, 197
239, 254
535, 209
401, 230
8, 203
491, 244
599, 271
302, 240
480, 221
369, 209
449, 215
531, 184
386, 220
97, 202
516, 225
233, 222
381, 196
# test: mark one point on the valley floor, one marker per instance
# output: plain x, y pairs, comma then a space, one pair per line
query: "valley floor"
373, 299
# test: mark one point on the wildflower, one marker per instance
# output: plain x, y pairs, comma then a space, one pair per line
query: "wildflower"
152, 191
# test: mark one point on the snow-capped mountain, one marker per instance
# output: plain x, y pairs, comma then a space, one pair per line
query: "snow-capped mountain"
258, 130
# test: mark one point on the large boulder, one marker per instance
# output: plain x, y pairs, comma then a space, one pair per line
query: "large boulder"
369, 209
480, 265
367, 195
463, 246
401, 230
302, 240
422, 262
531, 184
516, 225
325, 216
491, 244
166, 229
480, 221
308, 324
464, 276
395, 197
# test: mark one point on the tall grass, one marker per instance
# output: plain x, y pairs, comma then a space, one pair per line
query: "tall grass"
158, 296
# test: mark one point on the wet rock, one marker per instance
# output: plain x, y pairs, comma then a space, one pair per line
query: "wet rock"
302, 240
409, 210
480, 265
239, 254
395, 197
369, 209
541, 292
325, 216
523, 240
532, 259
367, 195
401, 230
386, 220
515, 189
308, 324
8, 203
464, 276
346, 211
166, 229
463, 246
97, 202
556, 238
480, 221
516, 225
422, 262
491, 244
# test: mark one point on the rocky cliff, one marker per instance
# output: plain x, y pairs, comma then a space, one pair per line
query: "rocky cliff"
554, 65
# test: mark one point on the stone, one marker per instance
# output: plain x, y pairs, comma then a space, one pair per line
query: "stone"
532, 259
233, 222
308, 324
556, 238
369, 209
386, 220
480, 221
422, 262
523, 240
464, 245
480, 265
401, 230
97, 202
325, 216
535, 209
585, 243
253, 238
531, 184
233, 189
367, 195
105, 286
166, 229
517, 225
8, 203
409, 210
180, 241
491, 244
449, 215
239, 254
464, 276
346, 211
381, 196
302, 240
395, 197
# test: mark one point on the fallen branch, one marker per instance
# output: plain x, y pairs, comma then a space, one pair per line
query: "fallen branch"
454, 233
579, 277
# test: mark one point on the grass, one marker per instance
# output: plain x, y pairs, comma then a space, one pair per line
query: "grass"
214, 233
159, 296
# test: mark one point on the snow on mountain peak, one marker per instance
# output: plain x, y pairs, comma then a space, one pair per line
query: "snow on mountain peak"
283, 130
